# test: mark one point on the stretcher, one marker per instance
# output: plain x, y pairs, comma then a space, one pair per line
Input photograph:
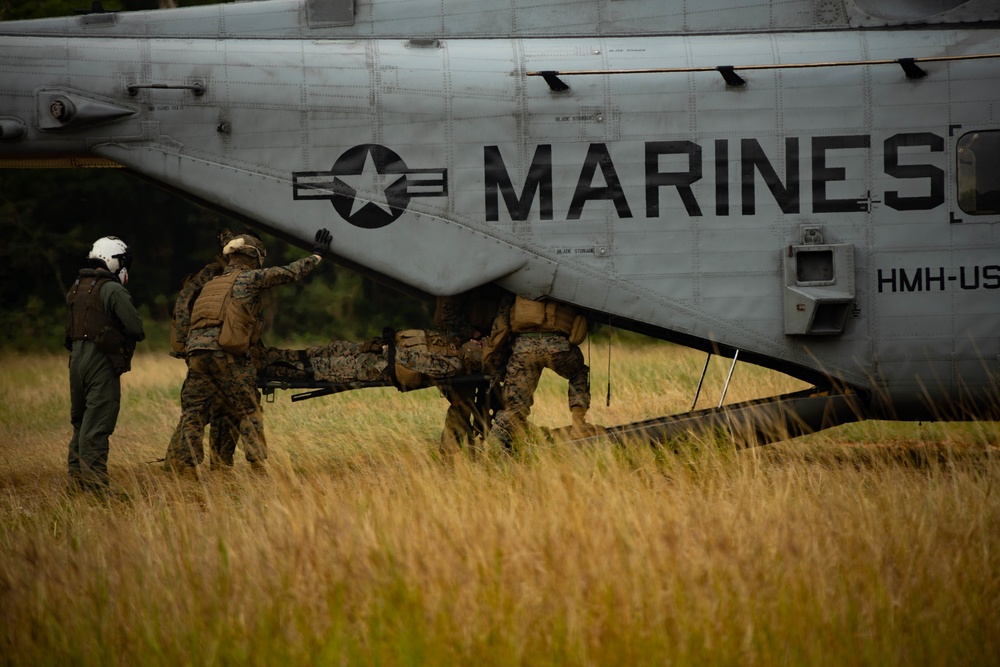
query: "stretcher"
477, 392
318, 388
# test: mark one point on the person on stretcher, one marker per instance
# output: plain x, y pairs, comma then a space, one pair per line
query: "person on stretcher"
418, 357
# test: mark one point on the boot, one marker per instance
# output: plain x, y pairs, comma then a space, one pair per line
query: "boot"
581, 428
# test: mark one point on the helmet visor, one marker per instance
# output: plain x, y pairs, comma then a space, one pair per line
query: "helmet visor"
124, 258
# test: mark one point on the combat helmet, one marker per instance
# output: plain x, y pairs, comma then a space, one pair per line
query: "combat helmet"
247, 245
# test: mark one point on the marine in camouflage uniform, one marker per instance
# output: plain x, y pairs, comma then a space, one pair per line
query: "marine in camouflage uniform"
465, 317
345, 361
340, 361
530, 354
215, 374
223, 428
101, 331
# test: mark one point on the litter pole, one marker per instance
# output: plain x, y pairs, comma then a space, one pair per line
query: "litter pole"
697, 392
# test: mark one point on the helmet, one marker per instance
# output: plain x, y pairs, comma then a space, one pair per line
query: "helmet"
113, 254
246, 244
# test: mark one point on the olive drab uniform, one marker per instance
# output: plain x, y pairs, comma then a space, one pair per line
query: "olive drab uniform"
224, 428
542, 334
467, 316
102, 329
224, 324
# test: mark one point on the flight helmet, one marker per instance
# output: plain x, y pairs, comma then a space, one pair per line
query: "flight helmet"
113, 254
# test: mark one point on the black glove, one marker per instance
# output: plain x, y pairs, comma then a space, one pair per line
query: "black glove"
322, 242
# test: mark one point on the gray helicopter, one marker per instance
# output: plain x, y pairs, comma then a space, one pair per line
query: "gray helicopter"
812, 186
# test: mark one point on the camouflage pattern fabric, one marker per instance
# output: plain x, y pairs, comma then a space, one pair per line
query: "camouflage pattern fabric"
469, 314
450, 316
223, 427
435, 365
455, 315
346, 361
223, 434
458, 432
364, 367
248, 288
530, 355
340, 361
181, 324
213, 376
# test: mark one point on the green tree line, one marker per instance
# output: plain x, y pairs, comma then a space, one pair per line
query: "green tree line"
49, 218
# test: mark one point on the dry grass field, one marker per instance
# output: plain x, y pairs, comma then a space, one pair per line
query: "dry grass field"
870, 544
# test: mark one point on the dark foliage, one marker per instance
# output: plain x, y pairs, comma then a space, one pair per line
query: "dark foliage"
50, 218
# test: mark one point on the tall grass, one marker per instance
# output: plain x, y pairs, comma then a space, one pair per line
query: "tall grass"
875, 543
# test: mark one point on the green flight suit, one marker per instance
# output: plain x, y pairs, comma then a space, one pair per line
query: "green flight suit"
95, 389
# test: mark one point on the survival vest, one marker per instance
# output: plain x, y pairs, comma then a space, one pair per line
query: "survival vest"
527, 316
216, 306
86, 320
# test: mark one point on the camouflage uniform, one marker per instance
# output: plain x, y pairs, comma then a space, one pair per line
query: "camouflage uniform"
215, 374
426, 352
223, 431
343, 362
340, 361
530, 354
465, 316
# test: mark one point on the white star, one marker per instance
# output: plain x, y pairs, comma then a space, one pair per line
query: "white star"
369, 185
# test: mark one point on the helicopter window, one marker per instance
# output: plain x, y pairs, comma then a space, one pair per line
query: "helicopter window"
979, 173
814, 267
323, 13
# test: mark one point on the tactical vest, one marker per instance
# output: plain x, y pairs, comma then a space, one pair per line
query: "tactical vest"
216, 306
86, 320
527, 316
181, 323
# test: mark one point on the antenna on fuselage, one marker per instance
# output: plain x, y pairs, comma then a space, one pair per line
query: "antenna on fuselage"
911, 69
556, 85
729, 75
